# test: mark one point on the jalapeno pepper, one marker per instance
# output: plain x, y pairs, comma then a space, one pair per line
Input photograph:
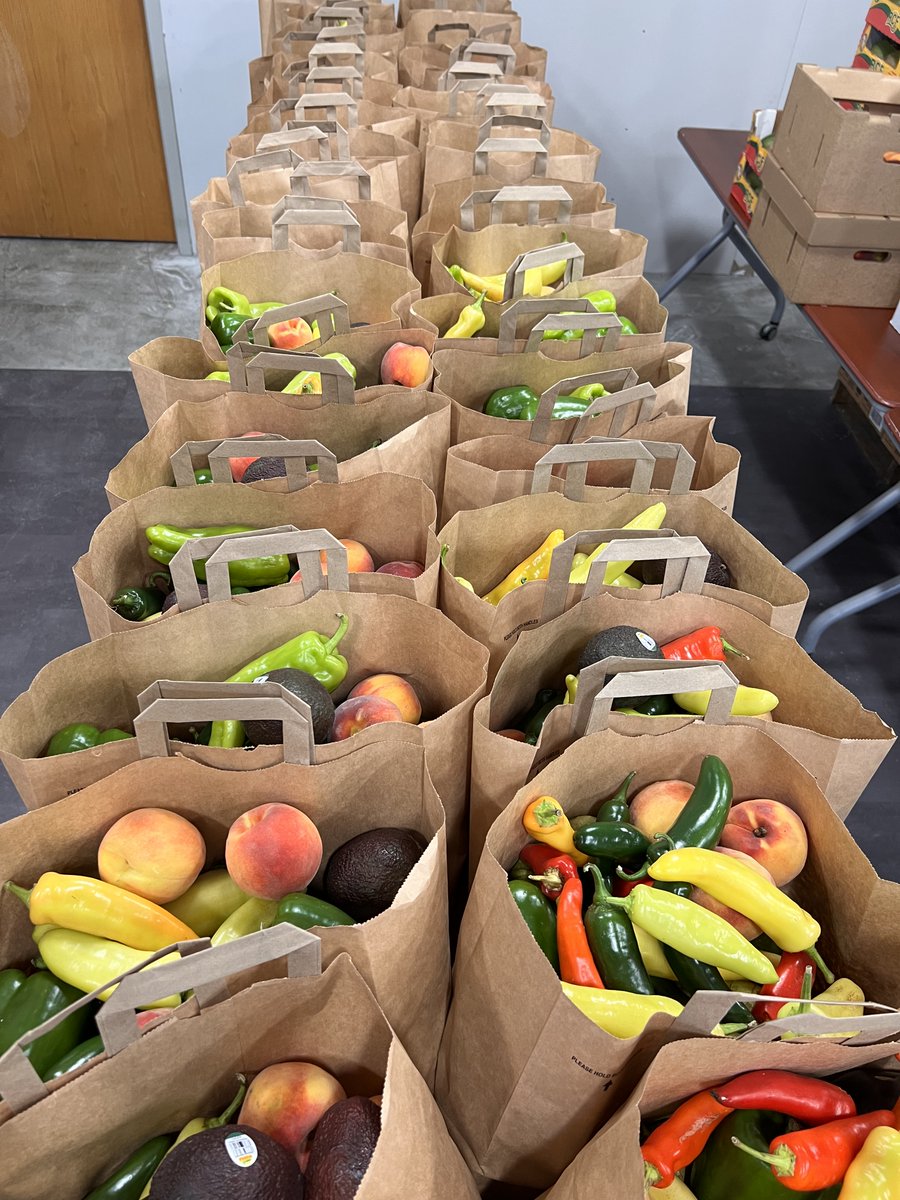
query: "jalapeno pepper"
135, 1173
536, 722
539, 915
694, 976
41, 997
616, 807
613, 943
136, 603
77, 1057
308, 912
607, 839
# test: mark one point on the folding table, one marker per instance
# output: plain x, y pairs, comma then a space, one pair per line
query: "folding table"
862, 338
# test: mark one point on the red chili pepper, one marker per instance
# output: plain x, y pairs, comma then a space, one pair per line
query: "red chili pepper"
624, 887
576, 963
680, 1140
536, 855
702, 643
812, 1101
791, 970
812, 1159
558, 869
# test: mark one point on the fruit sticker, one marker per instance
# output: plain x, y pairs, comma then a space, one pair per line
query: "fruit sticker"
646, 640
241, 1149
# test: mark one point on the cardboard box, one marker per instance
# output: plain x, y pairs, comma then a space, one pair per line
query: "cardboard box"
815, 257
836, 157
747, 184
879, 46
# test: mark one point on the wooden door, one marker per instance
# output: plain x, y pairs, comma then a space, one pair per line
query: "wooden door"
80, 149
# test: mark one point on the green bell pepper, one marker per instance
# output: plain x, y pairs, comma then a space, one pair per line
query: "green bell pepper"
308, 912
135, 603
510, 402
269, 570
10, 982
41, 997
224, 300
77, 736
224, 327
310, 652
257, 310
564, 408
113, 735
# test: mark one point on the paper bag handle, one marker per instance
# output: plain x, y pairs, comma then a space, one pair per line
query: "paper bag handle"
575, 459
265, 160
349, 77
465, 76
534, 195
337, 49
355, 33
449, 27
337, 385
186, 701
617, 402
685, 556
556, 589
185, 584
683, 473
328, 103
523, 121
482, 50
505, 102
298, 133
205, 973
500, 145
328, 127
328, 311
334, 12
567, 252
316, 211
303, 173
182, 460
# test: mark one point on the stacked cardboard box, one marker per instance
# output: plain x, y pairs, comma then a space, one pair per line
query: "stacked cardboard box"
828, 220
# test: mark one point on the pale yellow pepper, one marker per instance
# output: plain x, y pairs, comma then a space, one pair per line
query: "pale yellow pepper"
536, 566
650, 518
748, 702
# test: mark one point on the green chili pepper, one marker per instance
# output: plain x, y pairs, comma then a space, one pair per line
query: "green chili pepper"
510, 403
10, 982
308, 912
539, 915
257, 310
542, 697
310, 652
203, 475
218, 376
519, 870
135, 1173
83, 1053
613, 943
250, 917
41, 997
113, 735
701, 821
609, 839
536, 722
224, 300
249, 572
657, 706
695, 976
77, 736
616, 807
135, 603
564, 408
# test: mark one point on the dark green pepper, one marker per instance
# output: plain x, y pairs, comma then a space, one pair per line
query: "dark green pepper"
519, 870
41, 997
701, 821
539, 914
724, 1172
83, 1053
616, 807
657, 706
665, 987
202, 475
613, 943
542, 698
695, 976
225, 325
136, 603
510, 402
10, 982
608, 839
73, 737
308, 912
135, 1173
113, 735
536, 722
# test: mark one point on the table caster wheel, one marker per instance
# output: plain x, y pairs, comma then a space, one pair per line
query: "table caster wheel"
769, 331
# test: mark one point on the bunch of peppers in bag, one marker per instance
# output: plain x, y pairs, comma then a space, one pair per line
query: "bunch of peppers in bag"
643, 948
227, 310
771, 1132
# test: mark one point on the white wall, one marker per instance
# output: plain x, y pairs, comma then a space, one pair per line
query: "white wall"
628, 75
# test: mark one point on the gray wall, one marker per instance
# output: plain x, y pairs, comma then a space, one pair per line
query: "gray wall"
627, 75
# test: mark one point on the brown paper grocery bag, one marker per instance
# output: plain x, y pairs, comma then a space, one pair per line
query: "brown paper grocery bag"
817, 720
437, 67
391, 515
170, 369
386, 633
490, 470
403, 953
666, 367
759, 582
475, 203
403, 431
378, 293
524, 1079
456, 151
610, 1166
322, 138
438, 27
99, 1119
406, 8
473, 99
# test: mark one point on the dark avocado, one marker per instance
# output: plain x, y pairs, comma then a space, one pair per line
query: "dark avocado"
621, 641
365, 874
717, 572
264, 468
343, 1146
306, 687
207, 1166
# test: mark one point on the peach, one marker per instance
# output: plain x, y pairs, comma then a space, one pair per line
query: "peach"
288, 1100
359, 559
406, 366
405, 568
396, 689
271, 850
291, 335
240, 465
655, 807
359, 713
152, 852
771, 833
738, 920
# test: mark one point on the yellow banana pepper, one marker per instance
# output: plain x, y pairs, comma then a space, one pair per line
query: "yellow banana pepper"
493, 286
208, 902
623, 1014
875, 1172
627, 581
464, 583
92, 906
470, 320
650, 518
846, 990
88, 962
252, 916
734, 883
545, 821
748, 702
536, 566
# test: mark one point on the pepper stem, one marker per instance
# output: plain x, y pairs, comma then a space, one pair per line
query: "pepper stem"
547, 813
827, 974
621, 793
601, 891
232, 1107
342, 628
551, 879
729, 649
479, 302
632, 878
782, 1162
806, 989
23, 893
652, 1176
445, 550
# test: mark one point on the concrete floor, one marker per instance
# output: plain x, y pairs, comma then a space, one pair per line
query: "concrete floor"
87, 305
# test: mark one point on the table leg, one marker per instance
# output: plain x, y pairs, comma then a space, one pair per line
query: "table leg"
695, 260
847, 608
845, 530
746, 249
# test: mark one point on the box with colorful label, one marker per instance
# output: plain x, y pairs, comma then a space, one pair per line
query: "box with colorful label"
747, 183
879, 46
